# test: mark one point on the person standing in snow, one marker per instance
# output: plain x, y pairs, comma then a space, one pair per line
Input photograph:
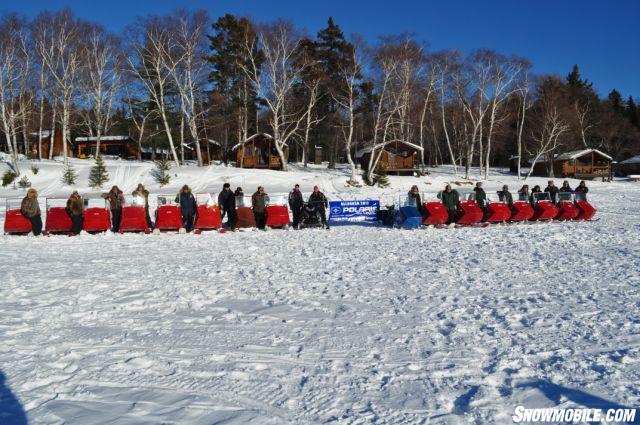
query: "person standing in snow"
318, 199
295, 204
143, 193
565, 187
75, 208
227, 205
582, 187
505, 196
30, 208
116, 201
259, 202
414, 199
450, 199
481, 196
188, 207
552, 190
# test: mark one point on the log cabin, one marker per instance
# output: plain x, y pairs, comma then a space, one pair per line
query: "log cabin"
46, 144
121, 146
209, 149
259, 151
580, 164
400, 158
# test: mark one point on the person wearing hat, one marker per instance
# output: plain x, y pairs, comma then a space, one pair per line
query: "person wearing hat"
295, 204
552, 190
227, 205
582, 187
318, 199
116, 201
481, 195
188, 207
30, 208
75, 208
505, 196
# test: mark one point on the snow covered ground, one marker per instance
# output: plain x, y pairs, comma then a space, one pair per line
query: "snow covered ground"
359, 324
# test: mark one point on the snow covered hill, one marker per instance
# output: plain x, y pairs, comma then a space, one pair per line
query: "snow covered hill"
359, 324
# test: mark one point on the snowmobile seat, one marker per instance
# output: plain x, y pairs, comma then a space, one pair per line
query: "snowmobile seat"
14, 222
96, 219
435, 213
567, 210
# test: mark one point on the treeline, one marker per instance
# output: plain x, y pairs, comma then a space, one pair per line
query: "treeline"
173, 81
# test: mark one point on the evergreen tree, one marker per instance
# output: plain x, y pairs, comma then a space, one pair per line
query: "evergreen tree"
98, 175
161, 173
70, 175
632, 112
574, 79
616, 101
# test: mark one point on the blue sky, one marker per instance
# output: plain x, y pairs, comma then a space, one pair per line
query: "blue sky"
603, 37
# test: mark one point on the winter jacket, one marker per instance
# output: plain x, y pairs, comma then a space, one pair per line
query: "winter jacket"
319, 199
145, 194
481, 197
259, 202
582, 189
553, 193
116, 200
450, 200
524, 194
566, 189
187, 203
414, 200
30, 207
75, 206
505, 196
295, 199
227, 200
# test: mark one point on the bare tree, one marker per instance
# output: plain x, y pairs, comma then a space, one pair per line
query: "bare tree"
583, 115
525, 104
547, 135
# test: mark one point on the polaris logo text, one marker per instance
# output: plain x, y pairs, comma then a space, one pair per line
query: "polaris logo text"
552, 415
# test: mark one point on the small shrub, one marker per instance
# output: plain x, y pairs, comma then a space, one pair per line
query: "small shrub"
24, 182
70, 175
34, 169
161, 173
8, 177
98, 175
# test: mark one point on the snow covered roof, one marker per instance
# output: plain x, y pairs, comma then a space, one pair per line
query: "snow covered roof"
211, 141
149, 149
360, 152
632, 160
578, 154
45, 133
102, 138
266, 135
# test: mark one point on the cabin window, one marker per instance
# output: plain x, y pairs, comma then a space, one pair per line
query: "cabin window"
248, 150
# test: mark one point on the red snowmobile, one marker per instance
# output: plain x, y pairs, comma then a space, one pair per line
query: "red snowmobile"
586, 210
168, 215
543, 207
58, 220
134, 215
208, 214
496, 211
14, 222
244, 213
567, 210
435, 214
468, 211
521, 209
96, 218
277, 212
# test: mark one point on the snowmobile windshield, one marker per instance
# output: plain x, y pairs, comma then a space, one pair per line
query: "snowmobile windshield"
469, 196
523, 197
541, 196
56, 203
275, 200
13, 203
95, 203
134, 200
205, 199
242, 201
565, 196
581, 196
166, 200
407, 201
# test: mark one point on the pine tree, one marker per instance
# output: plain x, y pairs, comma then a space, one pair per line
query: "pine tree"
70, 175
98, 175
574, 79
632, 112
616, 101
161, 173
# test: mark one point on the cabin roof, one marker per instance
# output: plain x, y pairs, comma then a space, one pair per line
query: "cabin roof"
250, 138
103, 138
632, 160
361, 152
579, 153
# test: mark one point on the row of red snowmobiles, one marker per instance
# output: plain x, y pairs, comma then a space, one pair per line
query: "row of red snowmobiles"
540, 208
97, 216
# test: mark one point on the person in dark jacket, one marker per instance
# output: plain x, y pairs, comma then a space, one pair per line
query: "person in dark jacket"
536, 189
524, 194
259, 201
582, 187
481, 195
552, 190
227, 205
188, 207
75, 208
295, 204
30, 208
318, 199
116, 201
414, 199
565, 187
450, 199
505, 196
143, 193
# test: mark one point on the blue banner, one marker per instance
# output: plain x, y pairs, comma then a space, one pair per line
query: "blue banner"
353, 210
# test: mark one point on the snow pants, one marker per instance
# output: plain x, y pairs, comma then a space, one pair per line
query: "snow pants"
76, 223
261, 219
116, 216
36, 224
297, 215
187, 221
